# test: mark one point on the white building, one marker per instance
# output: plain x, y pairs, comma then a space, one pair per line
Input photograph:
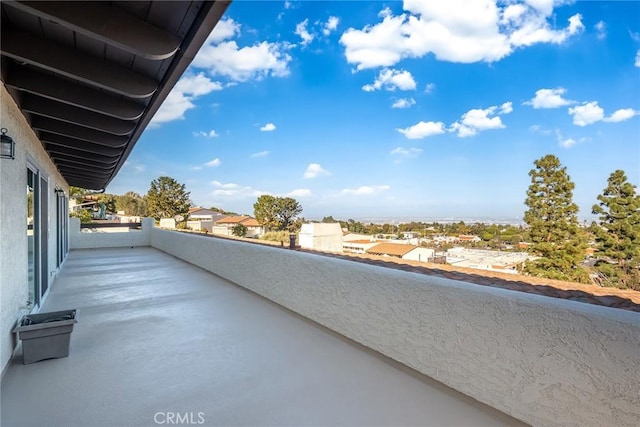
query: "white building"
321, 237
358, 246
349, 237
504, 262
404, 251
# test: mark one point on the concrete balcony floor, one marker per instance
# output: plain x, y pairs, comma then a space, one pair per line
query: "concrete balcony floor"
157, 335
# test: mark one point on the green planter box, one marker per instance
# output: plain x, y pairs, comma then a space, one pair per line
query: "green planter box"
45, 335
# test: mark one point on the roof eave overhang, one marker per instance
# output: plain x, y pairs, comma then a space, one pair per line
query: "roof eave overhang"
90, 79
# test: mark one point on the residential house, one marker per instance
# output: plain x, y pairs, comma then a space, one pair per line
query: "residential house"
203, 214
350, 237
358, 246
468, 238
225, 226
398, 250
505, 262
201, 219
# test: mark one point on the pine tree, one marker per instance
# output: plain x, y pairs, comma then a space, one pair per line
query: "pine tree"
167, 199
618, 236
553, 223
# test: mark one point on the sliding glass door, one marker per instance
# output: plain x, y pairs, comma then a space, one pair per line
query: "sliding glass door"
37, 236
44, 235
62, 224
33, 241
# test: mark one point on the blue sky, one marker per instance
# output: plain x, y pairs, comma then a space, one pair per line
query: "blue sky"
400, 109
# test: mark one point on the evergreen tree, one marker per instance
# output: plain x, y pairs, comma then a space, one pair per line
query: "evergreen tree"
618, 236
167, 199
132, 203
288, 210
265, 209
277, 212
553, 223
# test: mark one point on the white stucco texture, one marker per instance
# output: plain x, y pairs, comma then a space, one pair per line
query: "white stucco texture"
13, 218
545, 361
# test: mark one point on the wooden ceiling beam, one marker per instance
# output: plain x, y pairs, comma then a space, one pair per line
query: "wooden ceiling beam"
42, 53
108, 24
46, 124
74, 115
50, 86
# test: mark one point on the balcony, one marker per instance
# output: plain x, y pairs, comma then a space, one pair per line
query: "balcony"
158, 335
232, 333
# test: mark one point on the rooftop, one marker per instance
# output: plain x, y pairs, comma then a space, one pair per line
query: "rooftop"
184, 340
397, 249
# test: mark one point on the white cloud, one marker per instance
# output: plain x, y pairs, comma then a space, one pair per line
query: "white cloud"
224, 57
260, 154
300, 192
476, 120
224, 29
213, 163
539, 129
621, 115
513, 13
365, 190
331, 25
301, 30
241, 64
637, 62
506, 108
196, 85
234, 191
429, 88
403, 103
314, 170
211, 134
568, 142
537, 30
406, 152
544, 6
225, 186
601, 30
422, 130
456, 31
549, 98
587, 113
181, 97
137, 167
269, 127
390, 79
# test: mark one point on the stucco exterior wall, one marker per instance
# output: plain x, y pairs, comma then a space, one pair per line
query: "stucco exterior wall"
542, 360
13, 218
321, 237
419, 254
108, 239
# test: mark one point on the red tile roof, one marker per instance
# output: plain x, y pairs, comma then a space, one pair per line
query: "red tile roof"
242, 219
395, 249
250, 222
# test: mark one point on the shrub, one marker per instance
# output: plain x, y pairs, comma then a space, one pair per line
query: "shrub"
239, 230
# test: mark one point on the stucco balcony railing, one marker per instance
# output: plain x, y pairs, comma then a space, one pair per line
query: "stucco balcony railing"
355, 344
